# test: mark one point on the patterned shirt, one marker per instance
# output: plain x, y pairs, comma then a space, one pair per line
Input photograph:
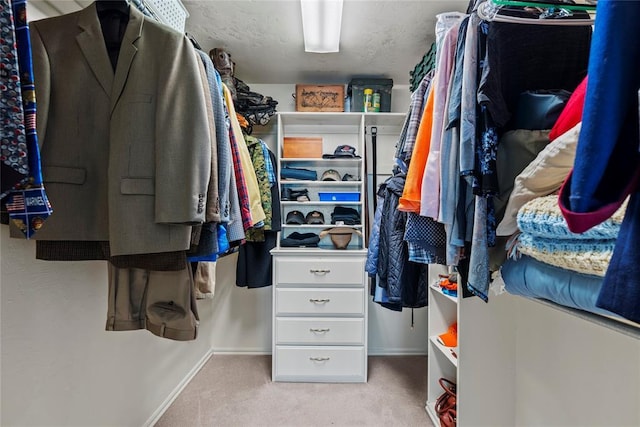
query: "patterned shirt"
241, 184
418, 99
259, 164
271, 173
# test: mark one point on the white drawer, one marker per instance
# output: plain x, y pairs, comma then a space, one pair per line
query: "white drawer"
320, 270
316, 301
319, 331
323, 364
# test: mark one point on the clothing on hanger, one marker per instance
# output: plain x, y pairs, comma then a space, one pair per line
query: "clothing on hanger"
533, 13
98, 198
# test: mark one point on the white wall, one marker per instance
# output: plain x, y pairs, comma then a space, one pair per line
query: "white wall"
59, 365
572, 372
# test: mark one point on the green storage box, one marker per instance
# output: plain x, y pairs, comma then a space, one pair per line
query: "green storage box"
355, 92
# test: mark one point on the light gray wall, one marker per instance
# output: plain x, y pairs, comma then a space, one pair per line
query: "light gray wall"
572, 372
59, 365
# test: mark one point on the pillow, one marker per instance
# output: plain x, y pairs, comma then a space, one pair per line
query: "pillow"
542, 177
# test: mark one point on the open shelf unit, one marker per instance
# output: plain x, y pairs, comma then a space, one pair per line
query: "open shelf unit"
483, 366
334, 129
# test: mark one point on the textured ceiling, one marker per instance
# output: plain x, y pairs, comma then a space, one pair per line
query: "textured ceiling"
264, 37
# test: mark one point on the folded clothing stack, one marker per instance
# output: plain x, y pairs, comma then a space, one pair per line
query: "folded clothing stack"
346, 216
295, 240
294, 194
298, 174
449, 284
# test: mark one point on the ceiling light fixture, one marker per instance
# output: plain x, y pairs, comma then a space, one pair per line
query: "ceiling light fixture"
321, 22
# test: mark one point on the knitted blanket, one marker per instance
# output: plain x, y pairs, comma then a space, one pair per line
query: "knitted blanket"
542, 217
546, 237
580, 255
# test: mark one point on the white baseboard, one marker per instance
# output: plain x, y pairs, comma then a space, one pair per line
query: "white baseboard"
176, 391
372, 351
397, 351
242, 350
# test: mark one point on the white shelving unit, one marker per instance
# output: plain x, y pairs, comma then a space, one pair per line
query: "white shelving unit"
483, 367
319, 294
320, 298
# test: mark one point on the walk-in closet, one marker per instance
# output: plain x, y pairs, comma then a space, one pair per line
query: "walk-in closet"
320, 213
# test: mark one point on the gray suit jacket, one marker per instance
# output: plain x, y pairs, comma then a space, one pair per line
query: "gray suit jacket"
126, 157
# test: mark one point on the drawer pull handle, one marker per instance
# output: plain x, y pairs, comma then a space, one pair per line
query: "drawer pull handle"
319, 359
319, 300
319, 330
319, 271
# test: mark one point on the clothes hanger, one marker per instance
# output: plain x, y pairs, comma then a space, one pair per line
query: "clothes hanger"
193, 41
489, 11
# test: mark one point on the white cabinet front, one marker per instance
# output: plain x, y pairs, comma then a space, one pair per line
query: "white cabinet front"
312, 270
319, 301
319, 331
319, 363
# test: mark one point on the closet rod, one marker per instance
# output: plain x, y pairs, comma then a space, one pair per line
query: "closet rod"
545, 4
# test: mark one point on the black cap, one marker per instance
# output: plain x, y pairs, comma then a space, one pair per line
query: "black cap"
295, 217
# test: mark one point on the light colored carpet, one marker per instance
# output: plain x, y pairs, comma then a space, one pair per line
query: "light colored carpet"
236, 390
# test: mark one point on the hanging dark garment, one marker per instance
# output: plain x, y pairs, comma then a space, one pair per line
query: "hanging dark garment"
405, 281
254, 267
114, 17
529, 57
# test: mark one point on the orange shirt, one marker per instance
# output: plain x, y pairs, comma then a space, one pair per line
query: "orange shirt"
411, 196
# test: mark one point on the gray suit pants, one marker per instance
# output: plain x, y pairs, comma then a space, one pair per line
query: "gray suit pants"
163, 302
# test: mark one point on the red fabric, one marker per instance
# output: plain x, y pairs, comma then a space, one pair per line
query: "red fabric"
572, 113
579, 222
